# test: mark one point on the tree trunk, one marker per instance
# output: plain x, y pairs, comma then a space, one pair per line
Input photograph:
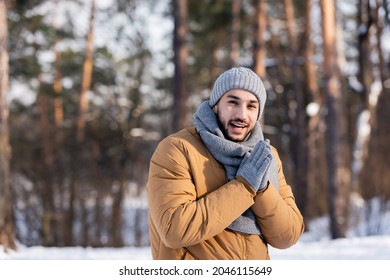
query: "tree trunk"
316, 170
58, 130
180, 49
298, 135
7, 238
235, 35
71, 212
259, 47
49, 228
260, 50
58, 103
81, 192
365, 63
87, 78
337, 150
383, 70
117, 215
58, 107
366, 78
374, 177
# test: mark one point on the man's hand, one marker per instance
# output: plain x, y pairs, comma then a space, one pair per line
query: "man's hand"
254, 167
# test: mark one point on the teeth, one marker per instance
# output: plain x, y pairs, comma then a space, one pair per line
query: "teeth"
238, 125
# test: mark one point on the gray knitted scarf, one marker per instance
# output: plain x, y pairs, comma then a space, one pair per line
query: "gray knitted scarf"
230, 154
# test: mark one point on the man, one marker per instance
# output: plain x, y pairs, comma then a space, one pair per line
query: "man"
217, 190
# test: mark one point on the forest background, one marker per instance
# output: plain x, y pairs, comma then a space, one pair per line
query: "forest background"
89, 88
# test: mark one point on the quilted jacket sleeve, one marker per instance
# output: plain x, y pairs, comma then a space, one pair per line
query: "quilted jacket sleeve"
180, 217
277, 213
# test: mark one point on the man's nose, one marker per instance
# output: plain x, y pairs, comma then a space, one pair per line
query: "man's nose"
241, 112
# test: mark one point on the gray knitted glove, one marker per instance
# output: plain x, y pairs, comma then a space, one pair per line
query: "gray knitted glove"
254, 168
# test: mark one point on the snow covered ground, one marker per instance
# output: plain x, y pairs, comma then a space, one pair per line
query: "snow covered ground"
314, 244
315, 253
357, 248
361, 258
363, 248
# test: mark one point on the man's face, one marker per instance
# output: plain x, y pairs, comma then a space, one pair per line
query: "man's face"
237, 112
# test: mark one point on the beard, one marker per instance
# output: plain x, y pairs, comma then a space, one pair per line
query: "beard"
225, 130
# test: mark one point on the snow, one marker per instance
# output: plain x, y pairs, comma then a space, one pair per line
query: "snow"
357, 248
307, 248
363, 242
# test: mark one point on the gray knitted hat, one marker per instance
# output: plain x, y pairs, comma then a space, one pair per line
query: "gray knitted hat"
239, 78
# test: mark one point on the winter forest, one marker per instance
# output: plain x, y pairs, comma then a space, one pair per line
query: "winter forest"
89, 87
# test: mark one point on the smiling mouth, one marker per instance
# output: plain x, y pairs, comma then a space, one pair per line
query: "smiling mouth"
238, 124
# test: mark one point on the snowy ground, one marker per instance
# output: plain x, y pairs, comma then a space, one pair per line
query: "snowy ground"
363, 257
314, 244
362, 248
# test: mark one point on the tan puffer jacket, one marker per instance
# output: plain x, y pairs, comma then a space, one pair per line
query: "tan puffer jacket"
191, 204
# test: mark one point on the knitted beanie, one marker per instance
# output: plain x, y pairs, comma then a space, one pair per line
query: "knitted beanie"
239, 78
